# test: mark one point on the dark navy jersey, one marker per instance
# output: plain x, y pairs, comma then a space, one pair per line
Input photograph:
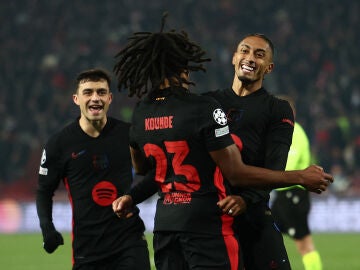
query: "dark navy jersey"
95, 172
176, 130
263, 126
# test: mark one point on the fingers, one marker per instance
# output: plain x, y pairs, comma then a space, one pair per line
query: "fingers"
232, 205
123, 207
52, 241
227, 206
116, 205
121, 203
124, 214
323, 187
329, 177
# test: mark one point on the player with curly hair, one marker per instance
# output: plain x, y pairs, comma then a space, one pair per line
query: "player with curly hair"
185, 138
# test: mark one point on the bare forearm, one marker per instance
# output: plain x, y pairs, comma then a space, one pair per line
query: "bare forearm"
239, 174
246, 176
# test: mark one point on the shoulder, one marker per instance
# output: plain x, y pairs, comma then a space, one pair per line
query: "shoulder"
280, 105
207, 98
217, 94
279, 101
57, 140
118, 123
66, 131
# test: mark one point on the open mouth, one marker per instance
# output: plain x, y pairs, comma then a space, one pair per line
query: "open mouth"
247, 68
95, 108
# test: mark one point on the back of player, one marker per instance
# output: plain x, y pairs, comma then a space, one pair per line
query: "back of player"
180, 136
177, 142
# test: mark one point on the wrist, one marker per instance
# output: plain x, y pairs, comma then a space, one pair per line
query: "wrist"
47, 226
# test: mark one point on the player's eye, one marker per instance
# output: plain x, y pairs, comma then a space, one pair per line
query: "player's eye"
87, 92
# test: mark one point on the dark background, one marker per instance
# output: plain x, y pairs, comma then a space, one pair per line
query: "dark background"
44, 44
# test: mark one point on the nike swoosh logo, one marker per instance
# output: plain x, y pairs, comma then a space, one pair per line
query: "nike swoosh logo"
76, 155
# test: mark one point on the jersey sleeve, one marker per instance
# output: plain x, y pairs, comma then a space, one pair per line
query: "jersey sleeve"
144, 189
279, 136
299, 154
278, 141
132, 130
48, 180
214, 125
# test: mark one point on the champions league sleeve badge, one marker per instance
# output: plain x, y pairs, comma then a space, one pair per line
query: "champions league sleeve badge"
220, 117
42, 170
43, 157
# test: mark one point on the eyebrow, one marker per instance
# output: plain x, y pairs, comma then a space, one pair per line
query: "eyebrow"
95, 89
248, 47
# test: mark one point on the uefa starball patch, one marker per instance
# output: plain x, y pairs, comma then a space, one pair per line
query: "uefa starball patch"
43, 157
42, 170
220, 117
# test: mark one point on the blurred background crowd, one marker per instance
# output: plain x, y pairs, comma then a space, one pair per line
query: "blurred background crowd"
44, 44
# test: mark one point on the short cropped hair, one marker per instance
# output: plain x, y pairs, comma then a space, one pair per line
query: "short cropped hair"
93, 75
265, 38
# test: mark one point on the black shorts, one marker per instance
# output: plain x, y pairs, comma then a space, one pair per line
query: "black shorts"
261, 241
135, 257
184, 251
291, 209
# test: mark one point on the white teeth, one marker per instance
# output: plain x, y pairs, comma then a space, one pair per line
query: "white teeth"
248, 68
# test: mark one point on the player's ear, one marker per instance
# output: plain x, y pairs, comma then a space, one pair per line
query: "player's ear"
234, 59
269, 68
75, 99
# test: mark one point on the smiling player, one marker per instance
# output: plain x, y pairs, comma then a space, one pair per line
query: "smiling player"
91, 156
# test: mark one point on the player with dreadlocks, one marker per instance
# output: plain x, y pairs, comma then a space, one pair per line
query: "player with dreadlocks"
184, 137
155, 58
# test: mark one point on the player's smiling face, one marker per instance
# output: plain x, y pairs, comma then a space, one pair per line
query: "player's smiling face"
252, 60
94, 99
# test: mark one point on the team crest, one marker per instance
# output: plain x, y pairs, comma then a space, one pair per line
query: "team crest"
220, 117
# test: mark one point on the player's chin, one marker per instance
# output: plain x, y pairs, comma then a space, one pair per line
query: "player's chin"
95, 118
98, 115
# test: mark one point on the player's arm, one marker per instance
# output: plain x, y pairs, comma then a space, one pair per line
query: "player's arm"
140, 192
277, 144
239, 174
144, 189
279, 135
139, 161
48, 182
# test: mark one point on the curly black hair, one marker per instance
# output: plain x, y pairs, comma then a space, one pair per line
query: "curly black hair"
150, 58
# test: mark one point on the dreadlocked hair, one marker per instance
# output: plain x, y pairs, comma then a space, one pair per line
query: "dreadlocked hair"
150, 58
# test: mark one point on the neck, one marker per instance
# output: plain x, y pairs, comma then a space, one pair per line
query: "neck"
92, 128
243, 89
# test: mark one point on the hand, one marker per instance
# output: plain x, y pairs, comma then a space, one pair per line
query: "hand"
315, 179
232, 205
123, 206
52, 239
